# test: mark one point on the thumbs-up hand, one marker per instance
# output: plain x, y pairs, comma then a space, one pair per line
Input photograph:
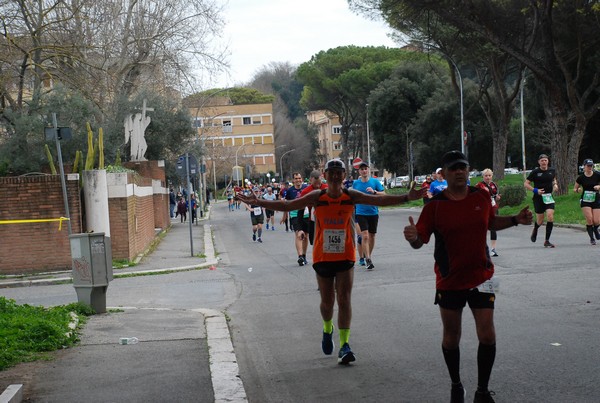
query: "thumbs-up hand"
410, 231
525, 216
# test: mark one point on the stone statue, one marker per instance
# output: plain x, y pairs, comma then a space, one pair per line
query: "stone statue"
135, 126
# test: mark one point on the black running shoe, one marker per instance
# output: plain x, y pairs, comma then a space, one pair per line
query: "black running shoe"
458, 394
593, 241
369, 263
484, 397
346, 356
534, 234
327, 343
548, 244
300, 261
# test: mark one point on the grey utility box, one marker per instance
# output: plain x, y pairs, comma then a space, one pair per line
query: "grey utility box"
91, 257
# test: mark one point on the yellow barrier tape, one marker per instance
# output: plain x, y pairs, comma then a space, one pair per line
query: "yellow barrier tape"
60, 220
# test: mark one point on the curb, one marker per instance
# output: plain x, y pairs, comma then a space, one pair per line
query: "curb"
69, 279
209, 251
12, 394
224, 370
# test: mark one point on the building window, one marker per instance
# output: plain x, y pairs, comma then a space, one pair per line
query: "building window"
336, 129
197, 123
256, 121
227, 128
337, 146
246, 120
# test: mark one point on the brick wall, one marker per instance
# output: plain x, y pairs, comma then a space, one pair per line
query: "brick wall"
131, 211
119, 227
155, 170
140, 206
37, 247
149, 169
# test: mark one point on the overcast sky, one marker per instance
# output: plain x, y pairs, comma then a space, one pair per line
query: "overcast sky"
264, 31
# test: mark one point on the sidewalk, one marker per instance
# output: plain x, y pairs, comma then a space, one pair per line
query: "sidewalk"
171, 252
184, 355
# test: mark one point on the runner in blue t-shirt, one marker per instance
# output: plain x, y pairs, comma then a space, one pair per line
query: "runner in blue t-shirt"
367, 216
438, 185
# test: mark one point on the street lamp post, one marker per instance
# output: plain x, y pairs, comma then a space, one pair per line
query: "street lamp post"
523, 130
368, 139
214, 165
275, 154
236, 163
462, 118
281, 161
203, 175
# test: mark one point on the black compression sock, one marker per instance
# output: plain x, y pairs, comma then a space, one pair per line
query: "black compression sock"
590, 231
452, 358
486, 354
549, 226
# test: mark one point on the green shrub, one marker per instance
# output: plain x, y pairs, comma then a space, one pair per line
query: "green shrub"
512, 195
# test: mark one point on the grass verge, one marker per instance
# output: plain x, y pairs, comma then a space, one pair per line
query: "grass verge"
567, 211
28, 333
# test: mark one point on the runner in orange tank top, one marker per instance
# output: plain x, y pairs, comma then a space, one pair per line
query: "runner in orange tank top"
334, 250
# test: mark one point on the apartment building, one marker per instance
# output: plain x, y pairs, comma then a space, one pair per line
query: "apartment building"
236, 135
328, 134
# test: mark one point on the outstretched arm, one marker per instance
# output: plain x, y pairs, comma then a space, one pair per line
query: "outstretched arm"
281, 205
385, 199
501, 222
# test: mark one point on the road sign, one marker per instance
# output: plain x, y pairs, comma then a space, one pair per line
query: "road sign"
64, 133
238, 173
192, 164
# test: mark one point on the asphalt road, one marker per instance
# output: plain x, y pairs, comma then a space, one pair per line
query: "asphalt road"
547, 317
547, 320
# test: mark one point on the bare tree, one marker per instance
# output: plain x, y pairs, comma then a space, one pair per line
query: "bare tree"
106, 48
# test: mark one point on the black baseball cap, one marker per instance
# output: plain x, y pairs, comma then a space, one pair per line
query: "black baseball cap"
588, 162
452, 158
543, 156
335, 163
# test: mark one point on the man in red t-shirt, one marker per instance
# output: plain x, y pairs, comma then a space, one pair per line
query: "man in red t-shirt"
460, 217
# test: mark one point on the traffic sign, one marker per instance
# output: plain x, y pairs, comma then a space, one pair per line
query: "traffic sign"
193, 167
